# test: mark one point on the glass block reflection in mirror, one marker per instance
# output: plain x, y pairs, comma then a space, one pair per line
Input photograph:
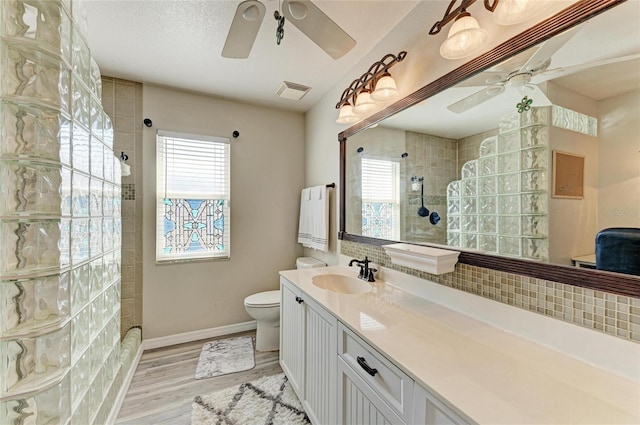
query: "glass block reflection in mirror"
574, 121
511, 169
488, 224
488, 243
453, 189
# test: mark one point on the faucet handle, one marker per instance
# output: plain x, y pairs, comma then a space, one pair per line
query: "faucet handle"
370, 278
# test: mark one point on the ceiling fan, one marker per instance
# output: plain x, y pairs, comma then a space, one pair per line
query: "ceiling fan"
524, 72
305, 15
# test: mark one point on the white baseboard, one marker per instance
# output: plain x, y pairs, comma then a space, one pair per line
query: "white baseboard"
165, 341
126, 382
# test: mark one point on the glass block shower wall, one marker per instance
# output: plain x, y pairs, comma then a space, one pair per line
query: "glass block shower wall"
59, 222
500, 204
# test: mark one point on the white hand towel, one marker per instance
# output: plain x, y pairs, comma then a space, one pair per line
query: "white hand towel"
304, 224
320, 218
313, 229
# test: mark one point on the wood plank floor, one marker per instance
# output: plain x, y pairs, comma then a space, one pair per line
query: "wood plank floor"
164, 386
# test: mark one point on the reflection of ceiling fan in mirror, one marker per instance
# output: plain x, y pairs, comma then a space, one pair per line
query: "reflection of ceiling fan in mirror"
305, 15
524, 72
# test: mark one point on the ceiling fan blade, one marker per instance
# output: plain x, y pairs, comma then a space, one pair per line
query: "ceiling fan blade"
316, 25
244, 29
476, 99
516, 62
542, 56
537, 95
485, 78
550, 74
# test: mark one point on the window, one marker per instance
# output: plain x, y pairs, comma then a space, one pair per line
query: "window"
192, 203
380, 198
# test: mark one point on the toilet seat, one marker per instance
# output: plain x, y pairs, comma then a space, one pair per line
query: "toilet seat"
263, 299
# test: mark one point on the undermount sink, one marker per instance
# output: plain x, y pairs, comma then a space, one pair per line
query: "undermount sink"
340, 284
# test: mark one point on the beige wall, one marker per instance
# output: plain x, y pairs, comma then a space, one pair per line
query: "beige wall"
266, 179
572, 222
619, 173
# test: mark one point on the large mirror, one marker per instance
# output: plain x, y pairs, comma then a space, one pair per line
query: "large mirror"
472, 167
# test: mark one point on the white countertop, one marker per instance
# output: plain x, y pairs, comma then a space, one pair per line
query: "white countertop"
489, 375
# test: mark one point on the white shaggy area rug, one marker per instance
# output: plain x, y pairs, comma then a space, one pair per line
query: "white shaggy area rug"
267, 401
225, 356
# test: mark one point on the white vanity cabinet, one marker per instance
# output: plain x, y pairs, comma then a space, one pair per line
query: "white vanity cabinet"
429, 410
340, 378
308, 339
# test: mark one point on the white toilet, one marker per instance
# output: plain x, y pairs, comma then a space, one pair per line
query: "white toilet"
264, 307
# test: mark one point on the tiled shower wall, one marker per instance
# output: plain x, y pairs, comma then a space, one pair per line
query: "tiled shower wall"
122, 100
616, 315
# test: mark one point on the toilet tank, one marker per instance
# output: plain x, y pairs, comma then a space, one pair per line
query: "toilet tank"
308, 263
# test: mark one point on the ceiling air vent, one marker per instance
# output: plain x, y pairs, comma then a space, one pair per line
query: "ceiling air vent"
292, 91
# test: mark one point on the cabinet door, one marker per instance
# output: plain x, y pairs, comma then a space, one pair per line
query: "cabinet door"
357, 403
292, 336
429, 410
320, 363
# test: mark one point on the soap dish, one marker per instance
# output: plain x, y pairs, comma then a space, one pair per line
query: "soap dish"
424, 258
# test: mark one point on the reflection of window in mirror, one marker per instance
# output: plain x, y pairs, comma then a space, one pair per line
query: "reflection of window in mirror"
380, 198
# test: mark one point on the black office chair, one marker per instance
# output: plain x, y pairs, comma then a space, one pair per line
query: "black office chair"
618, 250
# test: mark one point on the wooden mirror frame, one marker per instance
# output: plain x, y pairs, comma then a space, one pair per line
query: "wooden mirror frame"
563, 20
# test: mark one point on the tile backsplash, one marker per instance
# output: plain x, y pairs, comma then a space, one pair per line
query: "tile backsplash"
609, 313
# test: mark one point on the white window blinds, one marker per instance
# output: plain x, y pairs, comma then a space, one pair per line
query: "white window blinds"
380, 180
380, 198
193, 196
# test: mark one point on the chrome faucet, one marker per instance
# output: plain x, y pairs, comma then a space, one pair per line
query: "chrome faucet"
366, 272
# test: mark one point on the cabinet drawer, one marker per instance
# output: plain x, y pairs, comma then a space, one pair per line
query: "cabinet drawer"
358, 403
388, 381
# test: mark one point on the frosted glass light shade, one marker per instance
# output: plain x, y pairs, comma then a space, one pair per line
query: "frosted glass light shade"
346, 115
511, 12
385, 88
364, 103
465, 38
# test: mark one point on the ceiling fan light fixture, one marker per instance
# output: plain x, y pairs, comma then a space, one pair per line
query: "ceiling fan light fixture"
511, 12
385, 88
364, 103
346, 115
465, 38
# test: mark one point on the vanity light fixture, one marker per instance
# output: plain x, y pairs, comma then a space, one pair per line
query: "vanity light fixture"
364, 103
465, 35
346, 115
365, 94
385, 88
513, 12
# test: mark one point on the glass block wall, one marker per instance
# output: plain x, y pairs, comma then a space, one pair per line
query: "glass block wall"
500, 204
59, 222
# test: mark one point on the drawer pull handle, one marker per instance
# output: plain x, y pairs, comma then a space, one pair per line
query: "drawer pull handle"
363, 364
299, 300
